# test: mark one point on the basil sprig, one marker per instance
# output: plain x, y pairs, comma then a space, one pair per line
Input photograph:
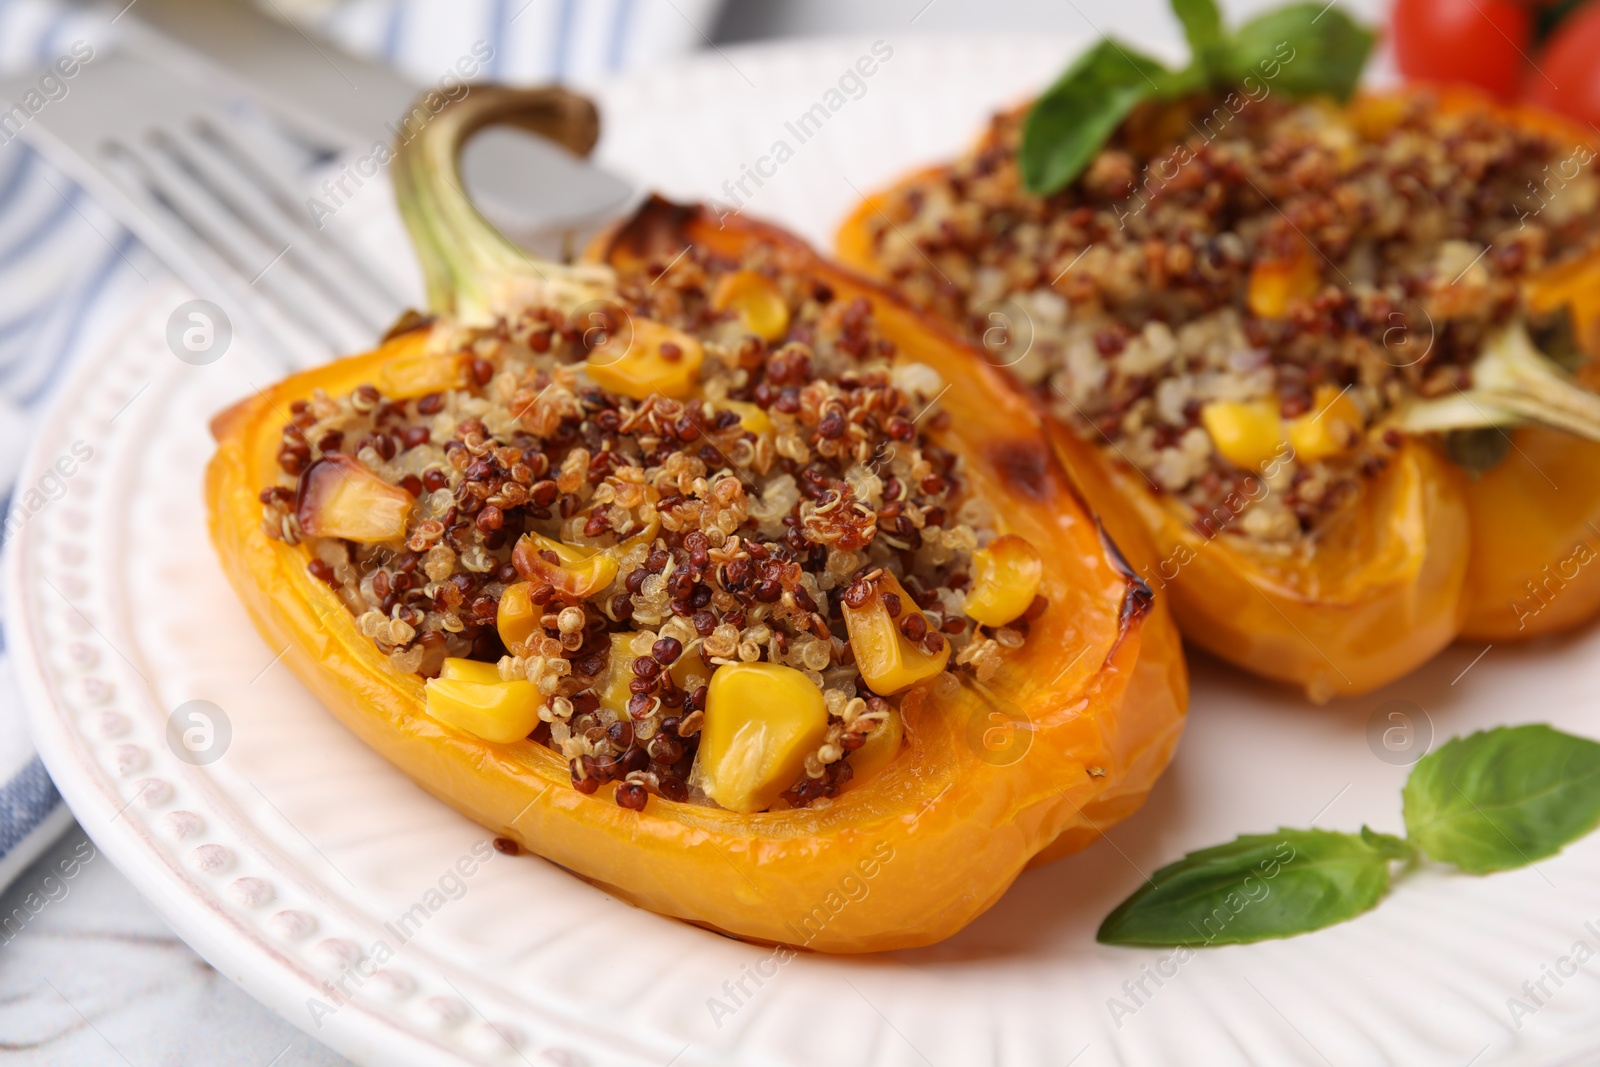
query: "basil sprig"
1307, 48
1491, 801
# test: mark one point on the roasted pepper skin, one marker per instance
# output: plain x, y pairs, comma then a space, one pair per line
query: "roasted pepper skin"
1426, 555
1100, 690
1536, 516
1535, 521
1382, 590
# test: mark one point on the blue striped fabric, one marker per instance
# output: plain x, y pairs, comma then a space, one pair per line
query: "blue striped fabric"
68, 270
24, 802
576, 41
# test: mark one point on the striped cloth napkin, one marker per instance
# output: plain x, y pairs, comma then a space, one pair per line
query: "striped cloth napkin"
69, 271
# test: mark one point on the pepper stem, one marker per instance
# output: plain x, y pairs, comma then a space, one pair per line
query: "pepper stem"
1512, 383
474, 273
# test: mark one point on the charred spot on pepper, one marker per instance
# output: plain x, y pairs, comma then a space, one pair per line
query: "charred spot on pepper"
410, 321
1136, 604
659, 227
1025, 468
1139, 597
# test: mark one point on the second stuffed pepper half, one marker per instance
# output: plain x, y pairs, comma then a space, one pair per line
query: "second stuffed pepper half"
1321, 359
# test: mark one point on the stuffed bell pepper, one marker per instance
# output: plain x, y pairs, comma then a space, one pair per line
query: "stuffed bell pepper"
1321, 367
704, 569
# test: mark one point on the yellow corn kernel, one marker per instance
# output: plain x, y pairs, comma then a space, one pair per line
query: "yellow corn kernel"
1375, 116
1006, 577
888, 661
649, 359
1331, 426
470, 670
410, 376
1275, 284
576, 573
756, 299
689, 664
761, 721
881, 747
501, 712
613, 689
1246, 432
751, 416
517, 617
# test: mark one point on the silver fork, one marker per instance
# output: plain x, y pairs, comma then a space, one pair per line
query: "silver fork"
202, 191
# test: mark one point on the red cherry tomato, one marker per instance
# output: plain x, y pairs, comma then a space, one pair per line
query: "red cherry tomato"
1566, 78
1475, 42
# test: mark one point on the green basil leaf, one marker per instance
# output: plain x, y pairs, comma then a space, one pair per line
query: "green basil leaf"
1256, 887
1202, 25
1069, 123
1504, 798
1305, 50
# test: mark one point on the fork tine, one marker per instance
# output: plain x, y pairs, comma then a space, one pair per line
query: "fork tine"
251, 257
205, 193
270, 198
274, 257
173, 235
243, 204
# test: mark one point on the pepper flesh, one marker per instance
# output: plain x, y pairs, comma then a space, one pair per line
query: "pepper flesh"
340, 497
648, 358
420, 373
576, 571
942, 830
1535, 521
1425, 555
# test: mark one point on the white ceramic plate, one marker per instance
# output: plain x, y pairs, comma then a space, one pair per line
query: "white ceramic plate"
291, 862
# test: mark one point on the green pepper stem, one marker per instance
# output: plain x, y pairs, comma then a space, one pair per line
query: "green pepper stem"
1512, 383
474, 273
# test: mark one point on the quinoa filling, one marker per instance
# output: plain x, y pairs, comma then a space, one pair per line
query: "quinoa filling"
1245, 289
616, 549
